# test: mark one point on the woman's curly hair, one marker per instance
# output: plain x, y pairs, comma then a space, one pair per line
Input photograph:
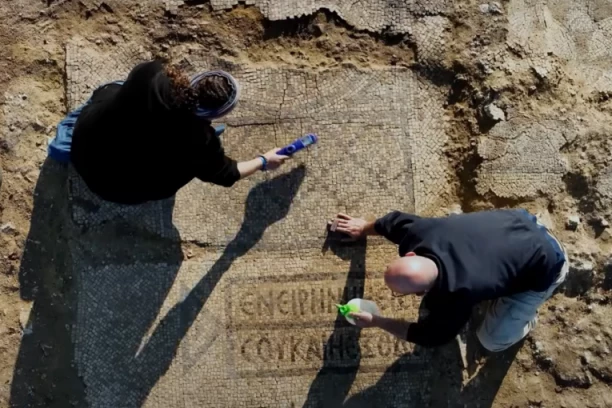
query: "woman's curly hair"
210, 93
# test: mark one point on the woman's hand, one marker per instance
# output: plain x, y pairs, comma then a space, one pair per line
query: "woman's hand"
274, 160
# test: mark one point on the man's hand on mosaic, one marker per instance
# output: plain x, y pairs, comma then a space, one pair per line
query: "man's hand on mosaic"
355, 228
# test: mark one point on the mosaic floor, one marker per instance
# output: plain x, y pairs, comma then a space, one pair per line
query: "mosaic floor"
249, 319
372, 15
578, 31
351, 111
522, 158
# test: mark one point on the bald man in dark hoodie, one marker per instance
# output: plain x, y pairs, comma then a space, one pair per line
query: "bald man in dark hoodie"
456, 262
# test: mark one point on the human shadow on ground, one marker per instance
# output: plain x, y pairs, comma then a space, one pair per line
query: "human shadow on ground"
267, 203
44, 375
334, 380
444, 387
69, 270
481, 390
402, 384
414, 383
125, 274
484, 379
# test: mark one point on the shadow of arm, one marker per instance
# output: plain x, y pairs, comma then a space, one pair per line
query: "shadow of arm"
267, 203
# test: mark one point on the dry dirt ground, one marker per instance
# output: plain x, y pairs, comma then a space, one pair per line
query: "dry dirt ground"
545, 66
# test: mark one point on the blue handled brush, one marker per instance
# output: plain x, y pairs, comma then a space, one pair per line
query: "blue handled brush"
298, 145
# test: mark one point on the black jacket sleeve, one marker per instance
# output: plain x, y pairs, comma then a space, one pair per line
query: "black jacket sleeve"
440, 327
216, 167
394, 226
227, 172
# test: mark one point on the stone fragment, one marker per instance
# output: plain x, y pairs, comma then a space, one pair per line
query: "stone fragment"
484, 8
580, 277
582, 265
572, 222
586, 358
318, 29
455, 209
495, 113
540, 72
37, 125
538, 347
496, 8
8, 228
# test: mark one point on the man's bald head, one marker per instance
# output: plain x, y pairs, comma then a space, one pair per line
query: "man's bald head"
411, 274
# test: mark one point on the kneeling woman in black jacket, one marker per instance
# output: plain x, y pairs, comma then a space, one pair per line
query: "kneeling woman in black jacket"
144, 139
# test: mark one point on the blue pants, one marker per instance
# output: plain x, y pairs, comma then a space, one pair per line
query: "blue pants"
60, 146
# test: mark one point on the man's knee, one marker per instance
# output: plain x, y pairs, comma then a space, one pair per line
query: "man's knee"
502, 336
490, 343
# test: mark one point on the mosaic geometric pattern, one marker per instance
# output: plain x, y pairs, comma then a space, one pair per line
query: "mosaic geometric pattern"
379, 131
88, 209
254, 308
87, 67
361, 120
578, 31
373, 15
522, 158
431, 34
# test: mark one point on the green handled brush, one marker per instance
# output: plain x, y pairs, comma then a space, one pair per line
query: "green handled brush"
346, 309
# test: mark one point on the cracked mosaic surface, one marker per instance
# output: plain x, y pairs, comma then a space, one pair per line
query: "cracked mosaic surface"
578, 31
372, 15
522, 158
